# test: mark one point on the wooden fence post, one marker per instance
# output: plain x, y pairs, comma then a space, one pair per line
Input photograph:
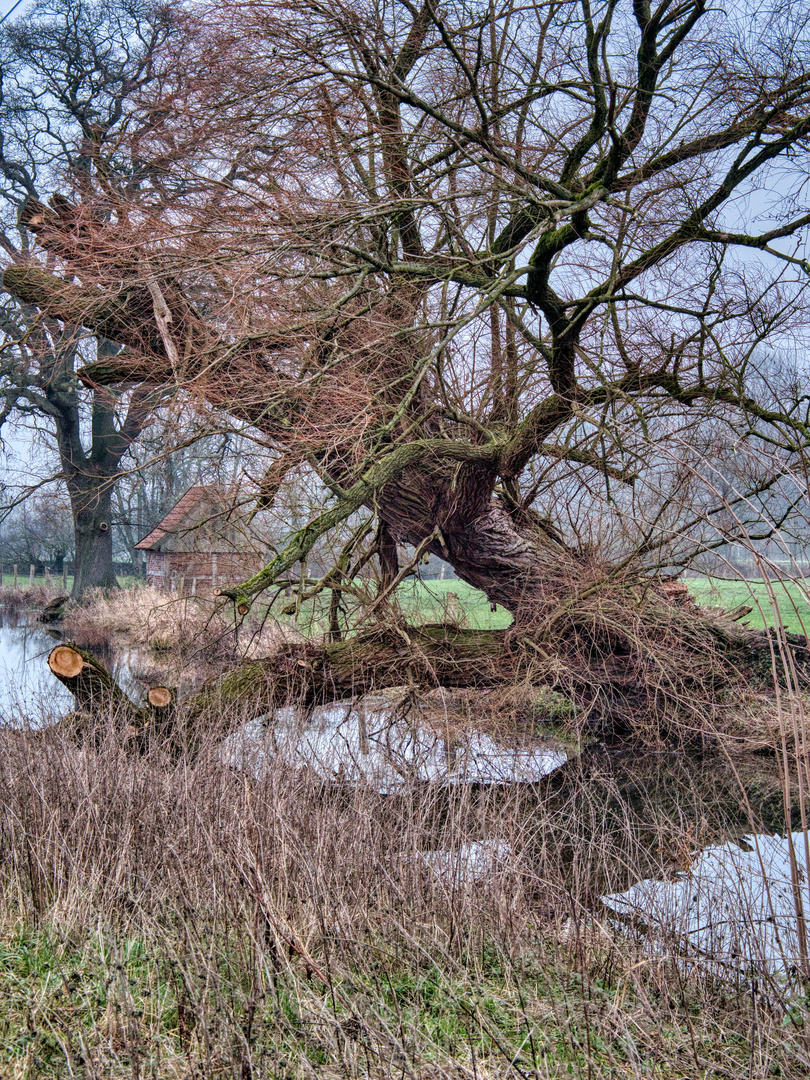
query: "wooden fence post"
15, 575
31, 577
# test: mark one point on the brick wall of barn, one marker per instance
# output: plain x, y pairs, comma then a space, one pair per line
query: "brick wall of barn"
198, 572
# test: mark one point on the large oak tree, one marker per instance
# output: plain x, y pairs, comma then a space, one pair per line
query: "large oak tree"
503, 275
69, 73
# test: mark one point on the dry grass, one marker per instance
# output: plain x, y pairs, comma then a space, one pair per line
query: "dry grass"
164, 916
163, 622
37, 597
170, 918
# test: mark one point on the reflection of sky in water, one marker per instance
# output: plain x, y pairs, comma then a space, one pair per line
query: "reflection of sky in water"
371, 742
732, 912
27, 688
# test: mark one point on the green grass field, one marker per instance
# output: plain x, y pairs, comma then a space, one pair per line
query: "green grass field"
420, 601
24, 581
433, 601
57, 582
788, 597
453, 600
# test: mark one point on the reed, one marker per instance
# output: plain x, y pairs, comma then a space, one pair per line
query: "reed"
170, 917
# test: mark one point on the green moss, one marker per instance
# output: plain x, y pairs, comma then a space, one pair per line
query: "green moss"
554, 707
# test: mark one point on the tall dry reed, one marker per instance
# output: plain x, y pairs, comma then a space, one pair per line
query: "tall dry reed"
177, 918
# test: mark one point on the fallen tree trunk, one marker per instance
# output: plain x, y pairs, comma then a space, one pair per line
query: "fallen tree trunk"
98, 695
301, 674
651, 669
92, 686
306, 674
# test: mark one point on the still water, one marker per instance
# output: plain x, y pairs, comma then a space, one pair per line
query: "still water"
28, 691
27, 688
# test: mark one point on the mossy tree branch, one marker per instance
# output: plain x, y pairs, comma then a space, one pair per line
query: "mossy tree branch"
362, 492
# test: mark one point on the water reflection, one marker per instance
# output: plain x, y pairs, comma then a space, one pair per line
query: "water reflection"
382, 741
28, 691
735, 910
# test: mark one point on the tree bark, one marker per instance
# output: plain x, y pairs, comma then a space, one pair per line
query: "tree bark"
92, 686
514, 558
92, 508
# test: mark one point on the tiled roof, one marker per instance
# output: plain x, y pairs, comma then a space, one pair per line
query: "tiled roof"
173, 518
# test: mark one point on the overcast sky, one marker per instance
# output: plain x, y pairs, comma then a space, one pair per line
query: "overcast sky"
20, 459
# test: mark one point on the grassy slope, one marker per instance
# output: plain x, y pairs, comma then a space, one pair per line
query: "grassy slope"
169, 967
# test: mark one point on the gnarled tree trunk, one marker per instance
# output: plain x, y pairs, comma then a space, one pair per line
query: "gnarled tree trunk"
92, 509
516, 560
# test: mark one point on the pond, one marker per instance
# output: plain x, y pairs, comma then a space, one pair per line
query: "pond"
28, 691
691, 852
695, 860
27, 688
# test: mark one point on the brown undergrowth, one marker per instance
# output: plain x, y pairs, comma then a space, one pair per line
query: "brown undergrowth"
190, 638
638, 658
35, 597
172, 918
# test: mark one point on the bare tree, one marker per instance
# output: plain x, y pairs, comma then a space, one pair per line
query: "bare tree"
68, 75
499, 274
38, 532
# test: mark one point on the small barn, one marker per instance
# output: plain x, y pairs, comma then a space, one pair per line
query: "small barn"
203, 543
